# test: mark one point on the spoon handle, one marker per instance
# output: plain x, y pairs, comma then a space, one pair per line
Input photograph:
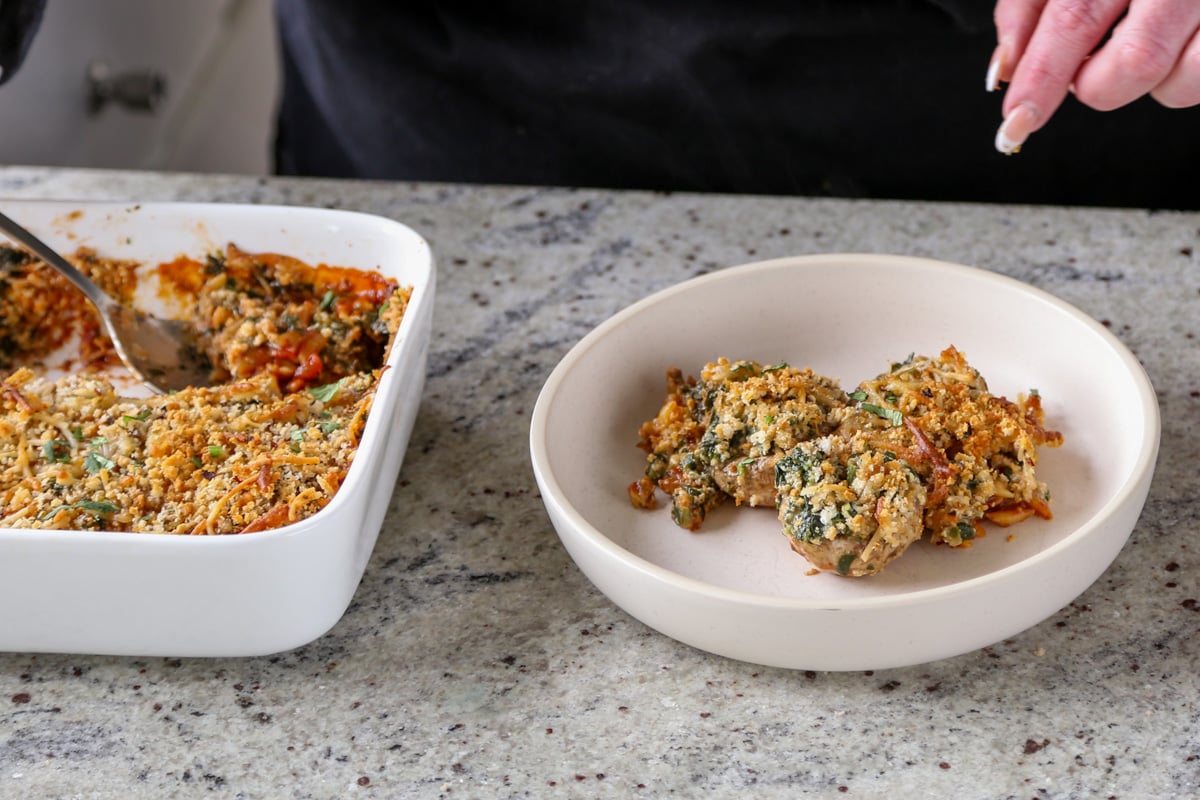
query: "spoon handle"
47, 254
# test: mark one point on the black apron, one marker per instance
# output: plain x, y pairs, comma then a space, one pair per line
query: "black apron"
855, 98
19, 23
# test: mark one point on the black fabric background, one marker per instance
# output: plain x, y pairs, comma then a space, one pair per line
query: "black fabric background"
876, 98
19, 22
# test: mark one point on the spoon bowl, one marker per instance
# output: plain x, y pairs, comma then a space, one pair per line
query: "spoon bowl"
161, 353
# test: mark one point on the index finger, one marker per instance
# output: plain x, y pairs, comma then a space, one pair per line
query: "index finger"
1015, 21
1066, 32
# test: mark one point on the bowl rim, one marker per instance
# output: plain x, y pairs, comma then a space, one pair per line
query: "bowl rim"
553, 493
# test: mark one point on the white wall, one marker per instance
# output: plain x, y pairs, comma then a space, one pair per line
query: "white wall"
220, 61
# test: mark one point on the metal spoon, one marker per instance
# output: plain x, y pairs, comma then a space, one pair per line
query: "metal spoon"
160, 352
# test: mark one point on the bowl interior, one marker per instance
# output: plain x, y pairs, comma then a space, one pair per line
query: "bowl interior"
848, 317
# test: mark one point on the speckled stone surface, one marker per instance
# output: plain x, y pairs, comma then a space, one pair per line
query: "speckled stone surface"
477, 661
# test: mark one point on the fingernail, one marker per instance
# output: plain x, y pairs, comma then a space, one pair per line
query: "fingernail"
1015, 129
993, 74
999, 64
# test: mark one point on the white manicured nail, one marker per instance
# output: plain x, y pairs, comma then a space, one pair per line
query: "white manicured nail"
1015, 129
993, 73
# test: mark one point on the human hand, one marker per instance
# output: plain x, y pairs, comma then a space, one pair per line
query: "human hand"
1049, 47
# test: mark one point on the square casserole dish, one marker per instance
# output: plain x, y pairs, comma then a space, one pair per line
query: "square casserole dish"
121, 593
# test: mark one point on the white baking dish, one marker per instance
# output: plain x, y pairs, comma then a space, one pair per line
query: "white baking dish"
249, 594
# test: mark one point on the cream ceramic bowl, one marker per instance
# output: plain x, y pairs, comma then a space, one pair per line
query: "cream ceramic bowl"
249, 594
735, 588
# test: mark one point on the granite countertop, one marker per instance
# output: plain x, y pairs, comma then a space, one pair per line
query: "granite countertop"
477, 661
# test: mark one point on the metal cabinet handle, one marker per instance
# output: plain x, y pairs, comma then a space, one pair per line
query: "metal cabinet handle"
135, 90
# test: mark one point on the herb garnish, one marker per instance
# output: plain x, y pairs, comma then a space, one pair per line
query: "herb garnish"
325, 393
94, 462
57, 451
892, 415
99, 507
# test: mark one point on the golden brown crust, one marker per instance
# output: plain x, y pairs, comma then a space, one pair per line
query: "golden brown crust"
922, 448
269, 448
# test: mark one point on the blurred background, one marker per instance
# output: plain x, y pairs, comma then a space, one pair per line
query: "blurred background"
145, 84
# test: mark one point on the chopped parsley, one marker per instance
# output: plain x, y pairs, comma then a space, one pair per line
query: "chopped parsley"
57, 451
325, 393
99, 507
892, 415
94, 462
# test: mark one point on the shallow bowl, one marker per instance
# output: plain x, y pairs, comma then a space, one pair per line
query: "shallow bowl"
735, 588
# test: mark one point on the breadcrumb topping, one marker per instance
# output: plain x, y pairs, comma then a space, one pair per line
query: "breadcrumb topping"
921, 449
297, 351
